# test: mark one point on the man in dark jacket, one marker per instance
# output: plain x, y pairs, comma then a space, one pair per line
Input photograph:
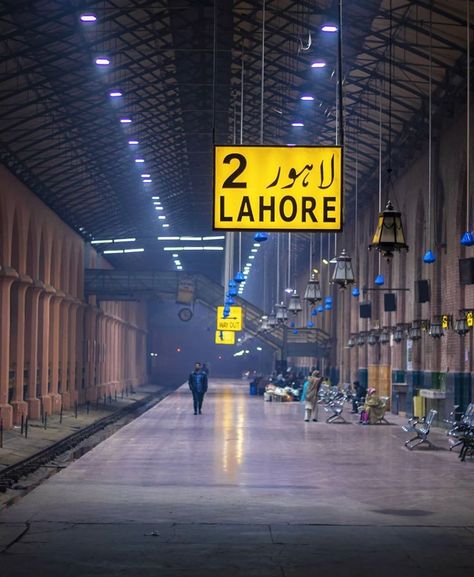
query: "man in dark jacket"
198, 385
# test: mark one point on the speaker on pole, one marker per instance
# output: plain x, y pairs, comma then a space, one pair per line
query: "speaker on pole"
365, 310
466, 271
389, 302
422, 291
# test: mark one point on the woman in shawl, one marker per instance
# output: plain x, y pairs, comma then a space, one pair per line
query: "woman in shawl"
311, 397
374, 407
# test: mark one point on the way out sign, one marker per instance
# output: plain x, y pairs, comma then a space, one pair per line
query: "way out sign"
225, 337
278, 188
233, 322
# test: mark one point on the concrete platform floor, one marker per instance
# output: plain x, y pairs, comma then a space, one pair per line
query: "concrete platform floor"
248, 489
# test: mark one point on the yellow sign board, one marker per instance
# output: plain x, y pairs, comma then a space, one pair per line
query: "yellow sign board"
233, 322
470, 318
278, 188
445, 321
225, 337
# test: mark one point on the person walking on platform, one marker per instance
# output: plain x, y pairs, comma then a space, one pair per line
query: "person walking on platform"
311, 396
198, 386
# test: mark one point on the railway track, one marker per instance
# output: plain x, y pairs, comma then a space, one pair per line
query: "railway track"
12, 474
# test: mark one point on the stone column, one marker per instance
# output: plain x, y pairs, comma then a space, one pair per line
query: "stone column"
90, 352
65, 338
72, 379
45, 319
7, 277
20, 407
32, 336
55, 315
80, 372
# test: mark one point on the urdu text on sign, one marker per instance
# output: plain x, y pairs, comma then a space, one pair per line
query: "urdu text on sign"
278, 188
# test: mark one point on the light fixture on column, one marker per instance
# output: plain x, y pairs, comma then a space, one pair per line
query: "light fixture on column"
360, 340
436, 330
294, 305
461, 326
272, 320
343, 274
351, 342
398, 334
385, 336
414, 332
373, 338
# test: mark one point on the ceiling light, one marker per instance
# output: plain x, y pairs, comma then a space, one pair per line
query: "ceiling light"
132, 142
318, 64
139, 160
102, 61
125, 121
309, 98
134, 250
88, 18
325, 261
252, 256
162, 217
256, 244
145, 175
254, 250
329, 28
101, 241
115, 94
177, 262
298, 124
291, 145
125, 240
165, 225
192, 238
147, 180
175, 255
213, 238
168, 238
155, 198
159, 208
179, 267
113, 251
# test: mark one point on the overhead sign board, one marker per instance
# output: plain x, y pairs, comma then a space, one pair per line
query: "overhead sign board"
278, 188
225, 337
233, 322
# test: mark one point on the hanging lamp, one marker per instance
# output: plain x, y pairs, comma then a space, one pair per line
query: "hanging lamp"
398, 335
467, 238
355, 292
436, 330
312, 294
343, 274
281, 312
379, 280
461, 326
389, 236
294, 305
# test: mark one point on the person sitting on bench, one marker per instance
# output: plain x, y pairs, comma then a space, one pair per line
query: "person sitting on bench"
374, 408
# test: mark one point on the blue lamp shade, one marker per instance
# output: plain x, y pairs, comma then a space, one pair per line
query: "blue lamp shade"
232, 288
320, 309
260, 237
295, 331
229, 301
292, 324
379, 280
429, 257
314, 312
328, 307
239, 277
328, 301
355, 292
467, 239
310, 324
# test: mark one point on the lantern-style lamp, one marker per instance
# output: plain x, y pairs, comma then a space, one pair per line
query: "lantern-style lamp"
264, 326
389, 236
385, 337
272, 320
312, 294
398, 335
436, 330
281, 313
372, 339
294, 305
343, 274
351, 342
461, 326
414, 332
360, 339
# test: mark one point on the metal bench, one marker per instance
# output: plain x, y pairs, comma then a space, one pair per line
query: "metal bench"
335, 407
421, 428
462, 432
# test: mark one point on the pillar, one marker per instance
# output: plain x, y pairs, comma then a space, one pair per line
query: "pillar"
20, 406
7, 277
73, 379
32, 334
64, 351
55, 323
43, 349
